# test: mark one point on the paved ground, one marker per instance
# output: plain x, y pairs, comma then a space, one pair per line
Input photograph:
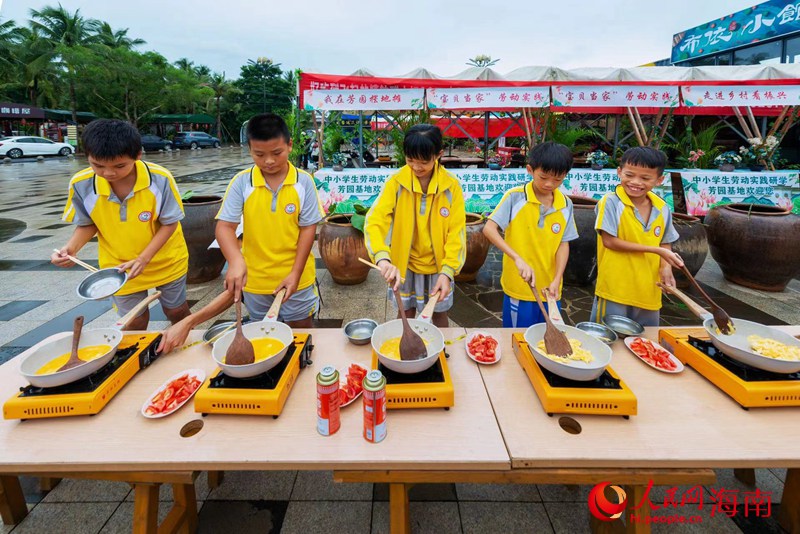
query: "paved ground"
37, 299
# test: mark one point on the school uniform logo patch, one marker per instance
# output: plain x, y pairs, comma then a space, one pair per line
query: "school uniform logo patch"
145, 216
556, 228
444, 212
657, 231
290, 208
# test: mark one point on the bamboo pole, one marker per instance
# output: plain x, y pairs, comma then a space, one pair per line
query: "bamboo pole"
778, 121
788, 124
654, 130
635, 127
642, 129
663, 132
527, 127
546, 114
742, 123
753, 123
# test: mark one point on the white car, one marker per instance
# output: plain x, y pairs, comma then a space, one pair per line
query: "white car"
16, 147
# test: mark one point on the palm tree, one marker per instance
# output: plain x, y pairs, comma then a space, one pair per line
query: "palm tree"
39, 74
116, 39
482, 60
202, 72
65, 32
222, 88
185, 64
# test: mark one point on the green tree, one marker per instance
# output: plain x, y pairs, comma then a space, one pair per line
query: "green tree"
67, 34
222, 89
116, 39
263, 88
482, 60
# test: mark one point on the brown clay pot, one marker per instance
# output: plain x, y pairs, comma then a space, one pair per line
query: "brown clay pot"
582, 264
692, 246
340, 246
477, 248
198, 229
755, 246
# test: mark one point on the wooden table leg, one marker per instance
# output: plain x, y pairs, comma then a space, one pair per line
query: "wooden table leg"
399, 521
12, 501
48, 483
641, 524
215, 479
789, 516
746, 476
145, 508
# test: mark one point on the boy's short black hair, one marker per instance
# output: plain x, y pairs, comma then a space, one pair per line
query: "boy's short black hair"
266, 127
423, 141
106, 139
645, 156
550, 157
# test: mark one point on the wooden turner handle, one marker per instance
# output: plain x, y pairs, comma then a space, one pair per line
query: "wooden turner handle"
693, 306
552, 309
123, 321
365, 262
275, 309
427, 311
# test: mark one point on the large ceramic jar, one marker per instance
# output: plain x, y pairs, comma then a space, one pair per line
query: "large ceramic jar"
692, 245
340, 246
477, 248
755, 246
582, 264
198, 229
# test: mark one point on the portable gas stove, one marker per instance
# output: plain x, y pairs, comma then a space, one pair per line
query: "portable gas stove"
607, 395
88, 395
263, 394
750, 387
431, 388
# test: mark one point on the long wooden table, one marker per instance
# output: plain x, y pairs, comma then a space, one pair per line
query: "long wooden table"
119, 439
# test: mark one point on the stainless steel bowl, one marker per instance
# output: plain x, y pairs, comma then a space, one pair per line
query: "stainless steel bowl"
218, 328
359, 331
623, 326
601, 332
101, 284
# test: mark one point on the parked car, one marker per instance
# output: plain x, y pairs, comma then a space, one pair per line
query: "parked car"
194, 140
154, 142
18, 146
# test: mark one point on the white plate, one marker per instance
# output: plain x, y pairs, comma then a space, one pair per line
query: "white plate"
342, 382
679, 366
497, 353
197, 373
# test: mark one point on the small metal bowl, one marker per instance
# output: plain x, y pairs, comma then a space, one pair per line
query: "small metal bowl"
218, 328
601, 332
101, 284
359, 331
623, 326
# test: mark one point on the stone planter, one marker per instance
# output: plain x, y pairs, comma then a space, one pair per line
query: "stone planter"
692, 246
477, 248
338, 168
727, 167
597, 167
340, 246
582, 264
198, 229
755, 167
755, 246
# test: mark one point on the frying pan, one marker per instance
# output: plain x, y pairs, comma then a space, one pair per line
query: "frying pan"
574, 370
433, 337
269, 327
53, 349
736, 345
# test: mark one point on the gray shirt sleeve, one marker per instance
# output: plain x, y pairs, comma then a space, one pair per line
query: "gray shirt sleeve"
312, 211
233, 202
670, 233
81, 217
611, 214
571, 231
171, 210
502, 213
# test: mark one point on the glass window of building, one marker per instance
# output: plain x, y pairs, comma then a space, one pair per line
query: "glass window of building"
792, 50
762, 54
725, 59
701, 61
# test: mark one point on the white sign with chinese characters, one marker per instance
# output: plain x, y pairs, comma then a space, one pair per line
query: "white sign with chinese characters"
489, 97
704, 189
363, 99
740, 95
611, 96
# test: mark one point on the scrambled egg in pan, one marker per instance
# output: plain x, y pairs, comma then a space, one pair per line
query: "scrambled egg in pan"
773, 349
579, 354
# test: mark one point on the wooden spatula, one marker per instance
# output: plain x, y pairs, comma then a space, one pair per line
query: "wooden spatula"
721, 317
412, 347
240, 351
555, 341
74, 361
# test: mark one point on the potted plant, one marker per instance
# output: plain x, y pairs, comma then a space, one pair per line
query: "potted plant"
727, 161
198, 226
597, 159
495, 162
760, 152
341, 243
339, 160
694, 158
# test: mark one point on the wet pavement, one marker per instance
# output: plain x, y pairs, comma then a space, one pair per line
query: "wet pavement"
38, 299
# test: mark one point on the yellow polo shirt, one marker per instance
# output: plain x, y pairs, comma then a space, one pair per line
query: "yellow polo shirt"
535, 233
422, 260
272, 222
630, 278
125, 227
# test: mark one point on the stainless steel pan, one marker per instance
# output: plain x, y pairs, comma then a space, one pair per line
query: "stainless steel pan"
433, 337
736, 345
